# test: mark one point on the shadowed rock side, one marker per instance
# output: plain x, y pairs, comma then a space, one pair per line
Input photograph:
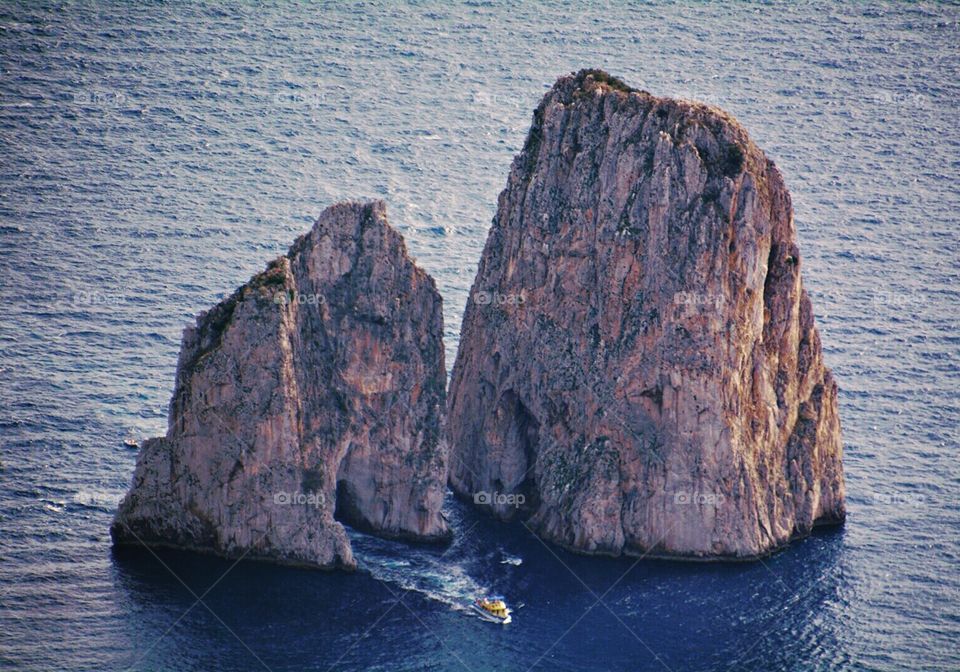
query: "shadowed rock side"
638, 357
314, 394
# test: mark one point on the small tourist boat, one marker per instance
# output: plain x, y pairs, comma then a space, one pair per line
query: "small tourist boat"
492, 609
131, 443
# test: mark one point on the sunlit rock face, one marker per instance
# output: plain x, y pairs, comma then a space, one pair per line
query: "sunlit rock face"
315, 394
639, 371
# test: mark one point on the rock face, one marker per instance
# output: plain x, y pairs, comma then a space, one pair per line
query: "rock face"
639, 370
314, 394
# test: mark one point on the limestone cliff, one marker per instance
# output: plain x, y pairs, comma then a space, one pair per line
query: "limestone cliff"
314, 394
639, 370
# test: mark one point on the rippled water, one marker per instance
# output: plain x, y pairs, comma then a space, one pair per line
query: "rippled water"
154, 158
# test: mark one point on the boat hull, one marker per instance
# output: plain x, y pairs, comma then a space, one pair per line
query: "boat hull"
491, 618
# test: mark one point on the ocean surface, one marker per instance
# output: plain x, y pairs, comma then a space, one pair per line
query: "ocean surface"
152, 158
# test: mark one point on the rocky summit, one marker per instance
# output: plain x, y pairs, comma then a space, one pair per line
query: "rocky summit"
639, 371
314, 394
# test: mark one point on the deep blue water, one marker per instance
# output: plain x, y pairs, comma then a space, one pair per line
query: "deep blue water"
155, 157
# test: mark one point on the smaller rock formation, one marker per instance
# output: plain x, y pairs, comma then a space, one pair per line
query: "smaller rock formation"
314, 394
639, 370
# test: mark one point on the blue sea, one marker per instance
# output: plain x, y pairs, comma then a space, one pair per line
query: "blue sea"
154, 156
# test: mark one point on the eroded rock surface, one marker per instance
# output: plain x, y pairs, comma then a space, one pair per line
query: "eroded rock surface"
639, 364
314, 394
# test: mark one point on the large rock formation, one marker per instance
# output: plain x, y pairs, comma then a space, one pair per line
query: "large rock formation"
639, 370
314, 393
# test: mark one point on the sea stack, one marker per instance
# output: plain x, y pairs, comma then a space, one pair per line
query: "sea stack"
314, 394
639, 371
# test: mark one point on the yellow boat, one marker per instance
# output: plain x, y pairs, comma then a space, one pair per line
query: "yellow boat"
493, 609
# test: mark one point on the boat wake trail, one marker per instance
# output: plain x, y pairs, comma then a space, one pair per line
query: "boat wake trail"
454, 576
437, 574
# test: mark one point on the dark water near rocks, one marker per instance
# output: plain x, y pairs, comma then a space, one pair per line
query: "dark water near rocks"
153, 158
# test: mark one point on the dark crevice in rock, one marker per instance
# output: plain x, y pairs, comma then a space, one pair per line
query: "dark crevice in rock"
347, 508
655, 394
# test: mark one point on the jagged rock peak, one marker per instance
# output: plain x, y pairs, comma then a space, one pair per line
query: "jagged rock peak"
313, 395
639, 370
